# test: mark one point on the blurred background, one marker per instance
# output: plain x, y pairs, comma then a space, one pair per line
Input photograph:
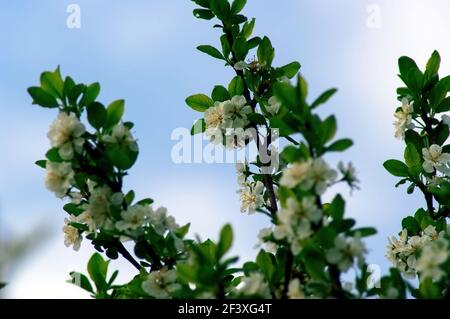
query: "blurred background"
144, 51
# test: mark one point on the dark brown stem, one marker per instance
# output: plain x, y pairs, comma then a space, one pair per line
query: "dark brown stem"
124, 252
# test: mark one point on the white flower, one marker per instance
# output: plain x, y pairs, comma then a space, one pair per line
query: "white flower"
294, 290
86, 218
134, 217
403, 119
446, 119
72, 236
241, 172
433, 255
295, 174
161, 222
345, 250
161, 284
255, 285
66, 134
98, 210
251, 197
235, 112
274, 105
60, 177
241, 65
214, 116
435, 159
121, 135
269, 246
349, 174
319, 176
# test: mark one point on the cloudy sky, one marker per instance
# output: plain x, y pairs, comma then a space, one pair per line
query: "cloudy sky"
144, 51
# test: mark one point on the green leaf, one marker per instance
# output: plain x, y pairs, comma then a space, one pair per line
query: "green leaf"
42, 98
363, 231
52, 83
212, 51
220, 93
433, 64
411, 225
198, 127
75, 93
396, 168
290, 70
323, 98
265, 263
199, 102
405, 64
247, 28
221, 9
73, 209
412, 157
202, 3
96, 114
121, 156
114, 113
328, 129
203, 14
444, 105
237, 6
145, 201
81, 281
337, 208
257, 118
97, 269
41, 163
225, 241
91, 94
340, 145
285, 93
240, 48
236, 86
266, 52
53, 155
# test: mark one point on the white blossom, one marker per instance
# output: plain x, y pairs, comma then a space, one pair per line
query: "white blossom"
273, 106
161, 284
60, 177
251, 196
269, 246
214, 116
241, 65
121, 135
134, 217
161, 222
72, 236
345, 250
349, 174
255, 285
310, 174
432, 256
403, 119
435, 159
294, 290
66, 134
235, 112
241, 172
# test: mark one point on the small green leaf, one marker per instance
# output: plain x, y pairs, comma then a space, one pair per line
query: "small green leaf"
257, 118
96, 114
237, 6
199, 102
236, 86
411, 225
81, 281
225, 241
337, 208
212, 51
41, 163
412, 157
114, 113
396, 168
220, 93
198, 127
340, 145
91, 94
42, 98
405, 64
221, 9
323, 98
52, 83
97, 268
203, 14
290, 70
266, 52
433, 64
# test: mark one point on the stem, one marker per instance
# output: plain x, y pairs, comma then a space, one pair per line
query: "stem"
124, 252
287, 273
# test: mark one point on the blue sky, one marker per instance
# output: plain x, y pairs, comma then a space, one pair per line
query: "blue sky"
144, 51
